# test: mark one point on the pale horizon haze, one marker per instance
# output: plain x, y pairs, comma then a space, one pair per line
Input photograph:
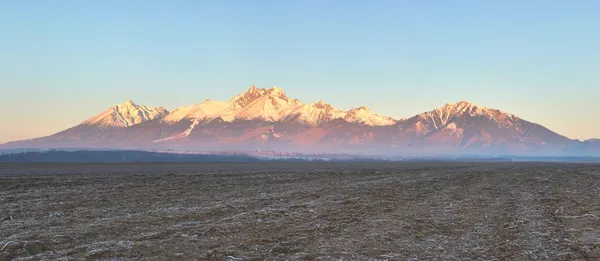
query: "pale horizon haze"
64, 61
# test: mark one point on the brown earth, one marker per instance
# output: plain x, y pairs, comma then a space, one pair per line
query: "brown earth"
295, 211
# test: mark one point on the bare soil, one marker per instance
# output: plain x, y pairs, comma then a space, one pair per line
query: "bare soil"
300, 211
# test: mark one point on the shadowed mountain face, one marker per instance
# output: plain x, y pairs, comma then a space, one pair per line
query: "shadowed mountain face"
267, 119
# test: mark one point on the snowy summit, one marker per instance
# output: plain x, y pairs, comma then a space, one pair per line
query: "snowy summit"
126, 114
273, 105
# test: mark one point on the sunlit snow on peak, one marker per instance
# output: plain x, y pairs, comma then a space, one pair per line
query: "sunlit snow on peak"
126, 114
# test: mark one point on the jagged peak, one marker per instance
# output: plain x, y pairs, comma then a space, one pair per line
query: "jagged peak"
126, 114
248, 96
462, 104
360, 108
321, 105
275, 89
253, 90
131, 105
277, 92
444, 114
127, 103
254, 93
364, 115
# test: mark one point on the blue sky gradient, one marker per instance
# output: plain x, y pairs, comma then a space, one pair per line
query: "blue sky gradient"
64, 61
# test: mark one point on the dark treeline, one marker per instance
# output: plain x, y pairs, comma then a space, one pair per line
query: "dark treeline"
116, 156
559, 159
86, 156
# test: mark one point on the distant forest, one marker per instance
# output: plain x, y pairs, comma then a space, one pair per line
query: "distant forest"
87, 156
118, 156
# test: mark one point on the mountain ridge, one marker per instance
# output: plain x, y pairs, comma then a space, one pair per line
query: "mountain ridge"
126, 114
261, 118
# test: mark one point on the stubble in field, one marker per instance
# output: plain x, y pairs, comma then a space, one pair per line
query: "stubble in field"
360, 211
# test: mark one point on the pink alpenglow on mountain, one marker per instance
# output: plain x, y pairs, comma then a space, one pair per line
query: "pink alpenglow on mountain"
126, 114
267, 119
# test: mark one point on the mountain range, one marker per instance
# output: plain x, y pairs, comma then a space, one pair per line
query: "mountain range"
267, 119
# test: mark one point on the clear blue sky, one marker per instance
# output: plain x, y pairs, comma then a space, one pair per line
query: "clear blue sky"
63, 61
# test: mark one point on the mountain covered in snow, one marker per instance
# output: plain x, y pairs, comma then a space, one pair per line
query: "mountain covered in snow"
267, 119
125, 114
273, 105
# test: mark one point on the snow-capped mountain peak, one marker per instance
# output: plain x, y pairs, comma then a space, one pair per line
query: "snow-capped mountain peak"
254, 93
315, 113
207, 109
450, 111
465, 107
260, 103
461, 106
365, 116
247, 97
127, 103
276, 92
322, 105
272, 106
126, 114
268, 117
